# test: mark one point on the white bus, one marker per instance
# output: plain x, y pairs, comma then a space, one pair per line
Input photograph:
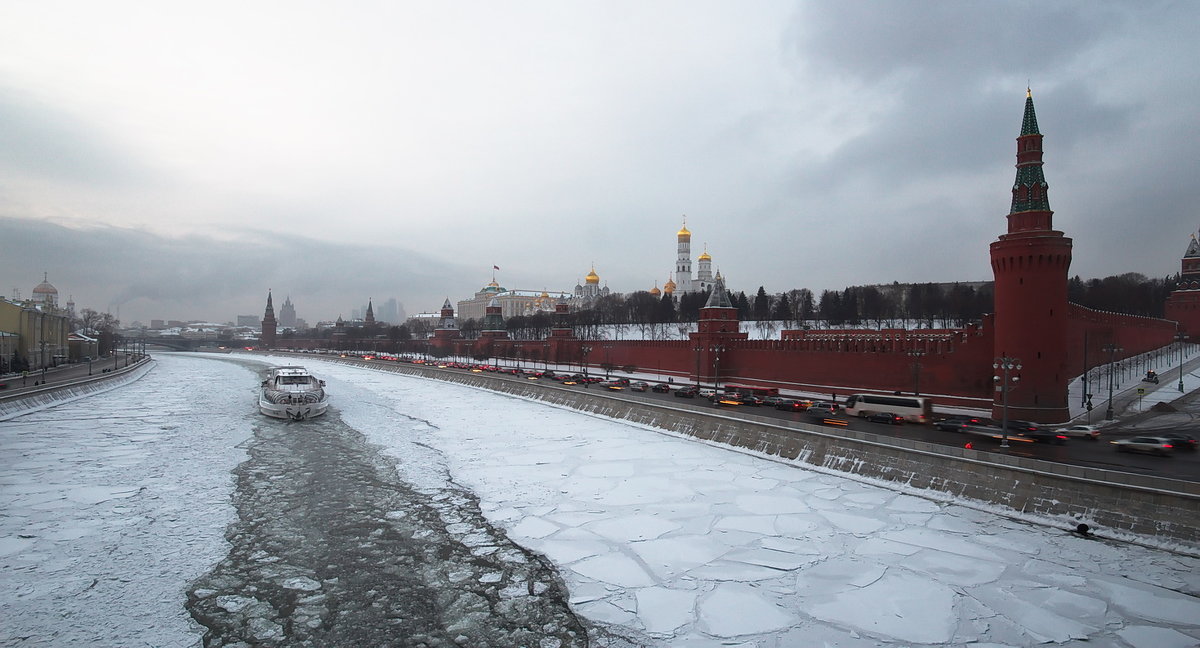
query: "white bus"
915, 409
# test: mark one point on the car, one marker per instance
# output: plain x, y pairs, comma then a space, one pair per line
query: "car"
613, 385
822, 410
661, 388
1147, 444
639, 386
1180, 440
1034, 432
687, 392
1090, 432
1151, 377
774, 401
750, 399
954, 424
792, 405
710, 394
886, 417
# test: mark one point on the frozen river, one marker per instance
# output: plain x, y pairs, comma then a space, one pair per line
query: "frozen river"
417, 513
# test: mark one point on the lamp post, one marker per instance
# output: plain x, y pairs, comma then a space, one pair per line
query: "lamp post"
1112, 353
585, 350
1005, 366
716, 349
917, 354
1180, 337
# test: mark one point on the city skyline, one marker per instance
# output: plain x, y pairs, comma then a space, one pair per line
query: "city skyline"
158, 170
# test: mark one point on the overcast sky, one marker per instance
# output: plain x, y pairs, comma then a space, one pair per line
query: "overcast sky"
177, 160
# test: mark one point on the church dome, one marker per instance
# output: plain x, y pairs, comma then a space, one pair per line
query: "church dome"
669, 287
592, 278
655, 291
45, 288
684, 234
493, 287
705, 256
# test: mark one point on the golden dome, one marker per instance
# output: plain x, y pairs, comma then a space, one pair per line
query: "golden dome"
669, 287
655, 291
684, 233
592, 277
705, 257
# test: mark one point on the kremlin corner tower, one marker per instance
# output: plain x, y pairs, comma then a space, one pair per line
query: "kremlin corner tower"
1030, 264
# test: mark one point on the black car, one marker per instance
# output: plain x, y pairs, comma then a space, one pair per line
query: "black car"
661, 388
886, 417
793, 405
952, 424
1180, 441
687, 392
1033, 432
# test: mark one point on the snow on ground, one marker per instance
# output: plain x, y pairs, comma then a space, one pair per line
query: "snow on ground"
112, 505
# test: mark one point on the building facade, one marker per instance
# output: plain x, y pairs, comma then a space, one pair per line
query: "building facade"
35, 331
512, 303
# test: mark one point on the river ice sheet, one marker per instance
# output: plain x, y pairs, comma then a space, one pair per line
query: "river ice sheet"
113, 506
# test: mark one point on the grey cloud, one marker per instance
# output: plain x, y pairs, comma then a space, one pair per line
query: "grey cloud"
52, 143
148, 276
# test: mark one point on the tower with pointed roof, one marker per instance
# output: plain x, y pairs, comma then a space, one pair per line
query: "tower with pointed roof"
683, 259
717, 327
1030, 263
369, 318
493, 322
269, 325
1183, 304
447, 329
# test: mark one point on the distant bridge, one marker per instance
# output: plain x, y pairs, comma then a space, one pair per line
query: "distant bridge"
176, 343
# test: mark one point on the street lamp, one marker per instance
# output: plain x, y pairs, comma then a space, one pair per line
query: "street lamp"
1112, 352
1180, 337
1005, 365
917, 354
585, 350
716, 349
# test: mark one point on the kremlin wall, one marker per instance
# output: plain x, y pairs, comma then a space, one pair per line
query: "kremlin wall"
1033, 325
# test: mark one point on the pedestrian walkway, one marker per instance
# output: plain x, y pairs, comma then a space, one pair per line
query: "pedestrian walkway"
19, 383
1131, 395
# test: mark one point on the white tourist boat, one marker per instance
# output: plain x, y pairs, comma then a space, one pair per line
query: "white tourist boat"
292, 393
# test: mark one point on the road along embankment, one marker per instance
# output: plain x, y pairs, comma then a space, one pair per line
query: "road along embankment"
25, 401
1131, 507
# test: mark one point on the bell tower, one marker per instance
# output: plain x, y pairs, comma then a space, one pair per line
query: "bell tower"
1030, 264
